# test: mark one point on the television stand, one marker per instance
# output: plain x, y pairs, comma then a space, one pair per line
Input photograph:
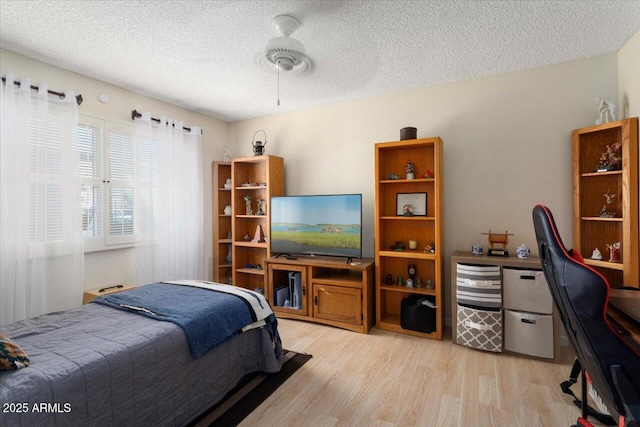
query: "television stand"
332, 293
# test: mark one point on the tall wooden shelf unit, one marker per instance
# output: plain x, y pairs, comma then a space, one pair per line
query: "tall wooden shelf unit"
260, 177
220, 172
391, 157
590, 231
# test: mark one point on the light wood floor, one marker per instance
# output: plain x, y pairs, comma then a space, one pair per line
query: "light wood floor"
390, 379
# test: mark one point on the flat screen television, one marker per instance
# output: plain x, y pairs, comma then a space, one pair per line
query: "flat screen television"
329, 225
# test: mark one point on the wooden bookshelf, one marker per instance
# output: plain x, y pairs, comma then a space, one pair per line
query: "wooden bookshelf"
590, 230
259, 177
222, 273
391, 158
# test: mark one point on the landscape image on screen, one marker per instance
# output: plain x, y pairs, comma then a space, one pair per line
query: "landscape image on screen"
318, 225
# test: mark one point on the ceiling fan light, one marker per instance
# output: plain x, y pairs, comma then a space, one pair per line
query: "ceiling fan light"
284, 63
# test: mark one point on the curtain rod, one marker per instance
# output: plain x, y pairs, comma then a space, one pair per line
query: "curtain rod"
52, 92
135, 114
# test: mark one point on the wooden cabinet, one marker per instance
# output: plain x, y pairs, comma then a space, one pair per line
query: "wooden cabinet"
332, 292
605, 200
222, 273
254, 178
392, 228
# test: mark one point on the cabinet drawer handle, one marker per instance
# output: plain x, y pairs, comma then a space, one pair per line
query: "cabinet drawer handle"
529, 321
478, 326
527, 277
315, 300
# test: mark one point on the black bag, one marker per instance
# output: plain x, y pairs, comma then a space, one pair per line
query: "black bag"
416, 316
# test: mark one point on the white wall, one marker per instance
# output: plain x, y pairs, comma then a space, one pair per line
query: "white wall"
110, 267
507, 146
629, 78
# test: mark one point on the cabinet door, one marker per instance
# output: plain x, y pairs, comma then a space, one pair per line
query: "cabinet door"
337, 303
288, 288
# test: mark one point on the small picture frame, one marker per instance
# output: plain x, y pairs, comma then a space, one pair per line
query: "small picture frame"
411, 204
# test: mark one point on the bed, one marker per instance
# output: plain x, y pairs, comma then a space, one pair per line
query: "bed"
98, 365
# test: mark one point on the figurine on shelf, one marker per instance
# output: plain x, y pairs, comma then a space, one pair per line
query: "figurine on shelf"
388, 280
614, 252
398, 246
393, 176
407, 209
614, 157
609, 196
227, 154
604, 212
247, 205
430, 248
409, 169
606, 109
399, 281
247, 238
260, 207
428, 174
611, 159
596, 255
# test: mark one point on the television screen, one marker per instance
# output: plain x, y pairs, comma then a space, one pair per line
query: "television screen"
317, 225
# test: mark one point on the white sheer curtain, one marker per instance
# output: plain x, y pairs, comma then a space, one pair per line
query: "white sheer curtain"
169, 202
41, 245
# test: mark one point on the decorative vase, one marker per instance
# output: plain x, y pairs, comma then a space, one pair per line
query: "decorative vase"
410, 175
229, 255
523, 251
408, 133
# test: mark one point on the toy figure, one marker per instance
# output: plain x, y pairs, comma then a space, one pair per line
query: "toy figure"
614, 254
388, 280
605, 109
596, 255
260, 207
428, 174
247, 204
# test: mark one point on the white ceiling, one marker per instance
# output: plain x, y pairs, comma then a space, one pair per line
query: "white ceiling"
203, 55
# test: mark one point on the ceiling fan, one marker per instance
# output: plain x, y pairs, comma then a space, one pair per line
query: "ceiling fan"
285, 53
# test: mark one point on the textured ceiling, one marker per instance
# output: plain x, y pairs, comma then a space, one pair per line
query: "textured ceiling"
203, 55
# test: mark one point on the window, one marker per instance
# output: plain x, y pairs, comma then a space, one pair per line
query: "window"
107, 168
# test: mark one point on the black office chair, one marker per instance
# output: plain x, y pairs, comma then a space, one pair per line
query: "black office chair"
581, 296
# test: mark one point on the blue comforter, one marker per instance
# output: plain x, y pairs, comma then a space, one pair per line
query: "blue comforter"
207, 317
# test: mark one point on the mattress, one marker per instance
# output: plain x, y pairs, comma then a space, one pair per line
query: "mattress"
95, 365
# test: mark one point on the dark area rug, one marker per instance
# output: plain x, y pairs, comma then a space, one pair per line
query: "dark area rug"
249, 394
